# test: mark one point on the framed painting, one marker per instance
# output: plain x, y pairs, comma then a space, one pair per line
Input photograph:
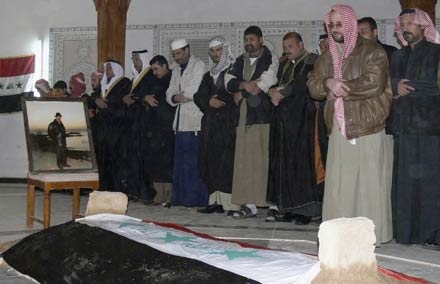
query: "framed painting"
58, 135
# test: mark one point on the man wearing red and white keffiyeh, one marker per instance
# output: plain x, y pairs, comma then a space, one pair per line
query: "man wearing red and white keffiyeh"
414, 122
416, 17
353, 76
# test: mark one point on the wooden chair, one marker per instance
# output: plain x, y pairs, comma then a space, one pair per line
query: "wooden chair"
55, 181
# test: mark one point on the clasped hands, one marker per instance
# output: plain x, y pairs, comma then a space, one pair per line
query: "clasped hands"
180, 99
275, 95
338, 88
249, 86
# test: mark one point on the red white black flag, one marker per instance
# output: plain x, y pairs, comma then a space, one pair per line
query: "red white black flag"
15, 81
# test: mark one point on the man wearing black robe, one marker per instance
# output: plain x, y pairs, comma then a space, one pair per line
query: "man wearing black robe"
158, 134
134, 177
368, 29
218, 129
110, 126
297, 140
415, 124
95, 82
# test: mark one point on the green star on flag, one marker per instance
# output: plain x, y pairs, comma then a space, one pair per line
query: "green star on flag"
232, 254
173, 238
139, 227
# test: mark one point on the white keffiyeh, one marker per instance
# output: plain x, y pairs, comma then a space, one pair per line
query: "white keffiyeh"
107, 84
226, 58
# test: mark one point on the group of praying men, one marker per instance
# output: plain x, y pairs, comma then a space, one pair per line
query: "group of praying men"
351, 132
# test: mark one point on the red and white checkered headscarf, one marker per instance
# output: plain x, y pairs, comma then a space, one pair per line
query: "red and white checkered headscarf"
78, 83
423, 19
42, 85
350, 32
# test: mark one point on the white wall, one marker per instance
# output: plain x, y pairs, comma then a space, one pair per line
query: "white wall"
195, 11
25, 29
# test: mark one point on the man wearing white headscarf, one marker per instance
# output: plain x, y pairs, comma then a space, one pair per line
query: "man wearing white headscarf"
414, 122
134, 178
353, 76
110, 125
218, 129
140, 62
188, 188
141, 75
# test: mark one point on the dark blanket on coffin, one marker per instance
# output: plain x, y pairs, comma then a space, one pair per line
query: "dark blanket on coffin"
77, 253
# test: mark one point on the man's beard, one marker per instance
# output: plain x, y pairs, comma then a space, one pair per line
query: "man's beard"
409, 37
338, 37
289, 56
249, 48
215, 60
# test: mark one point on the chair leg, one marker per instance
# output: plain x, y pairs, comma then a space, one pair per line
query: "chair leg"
76, 203
30, 205
46, 219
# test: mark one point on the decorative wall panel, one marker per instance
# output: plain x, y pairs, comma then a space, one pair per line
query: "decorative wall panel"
72, 50
75, 49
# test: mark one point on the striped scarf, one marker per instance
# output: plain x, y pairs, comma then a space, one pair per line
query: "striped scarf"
420, 18
350, 32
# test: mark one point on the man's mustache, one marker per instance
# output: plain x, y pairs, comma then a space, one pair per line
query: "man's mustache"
405, 34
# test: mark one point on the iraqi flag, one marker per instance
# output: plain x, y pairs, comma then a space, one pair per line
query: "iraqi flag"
15, 81
111, 249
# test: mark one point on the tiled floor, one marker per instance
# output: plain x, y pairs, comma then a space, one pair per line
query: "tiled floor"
412, 260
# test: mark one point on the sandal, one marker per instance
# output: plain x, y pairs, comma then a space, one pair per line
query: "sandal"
244, 213
271, 215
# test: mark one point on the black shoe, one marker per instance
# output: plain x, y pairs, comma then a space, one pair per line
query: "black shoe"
303, 220
146, 202
230, 212
286, 217
153, 203
220, 209
167, 204
210, 209
132, 198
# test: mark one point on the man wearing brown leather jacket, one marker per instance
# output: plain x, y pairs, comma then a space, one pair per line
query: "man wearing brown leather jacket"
353, 76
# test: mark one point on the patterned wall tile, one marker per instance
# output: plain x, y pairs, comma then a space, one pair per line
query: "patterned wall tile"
72, 50
75, 49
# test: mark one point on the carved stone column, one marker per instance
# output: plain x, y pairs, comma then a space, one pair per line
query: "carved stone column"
425, 5
112, 16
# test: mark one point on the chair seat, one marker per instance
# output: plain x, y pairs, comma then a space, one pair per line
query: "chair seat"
53, 181
63, 177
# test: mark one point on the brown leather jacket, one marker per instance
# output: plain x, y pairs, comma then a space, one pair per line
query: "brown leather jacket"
369, 101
